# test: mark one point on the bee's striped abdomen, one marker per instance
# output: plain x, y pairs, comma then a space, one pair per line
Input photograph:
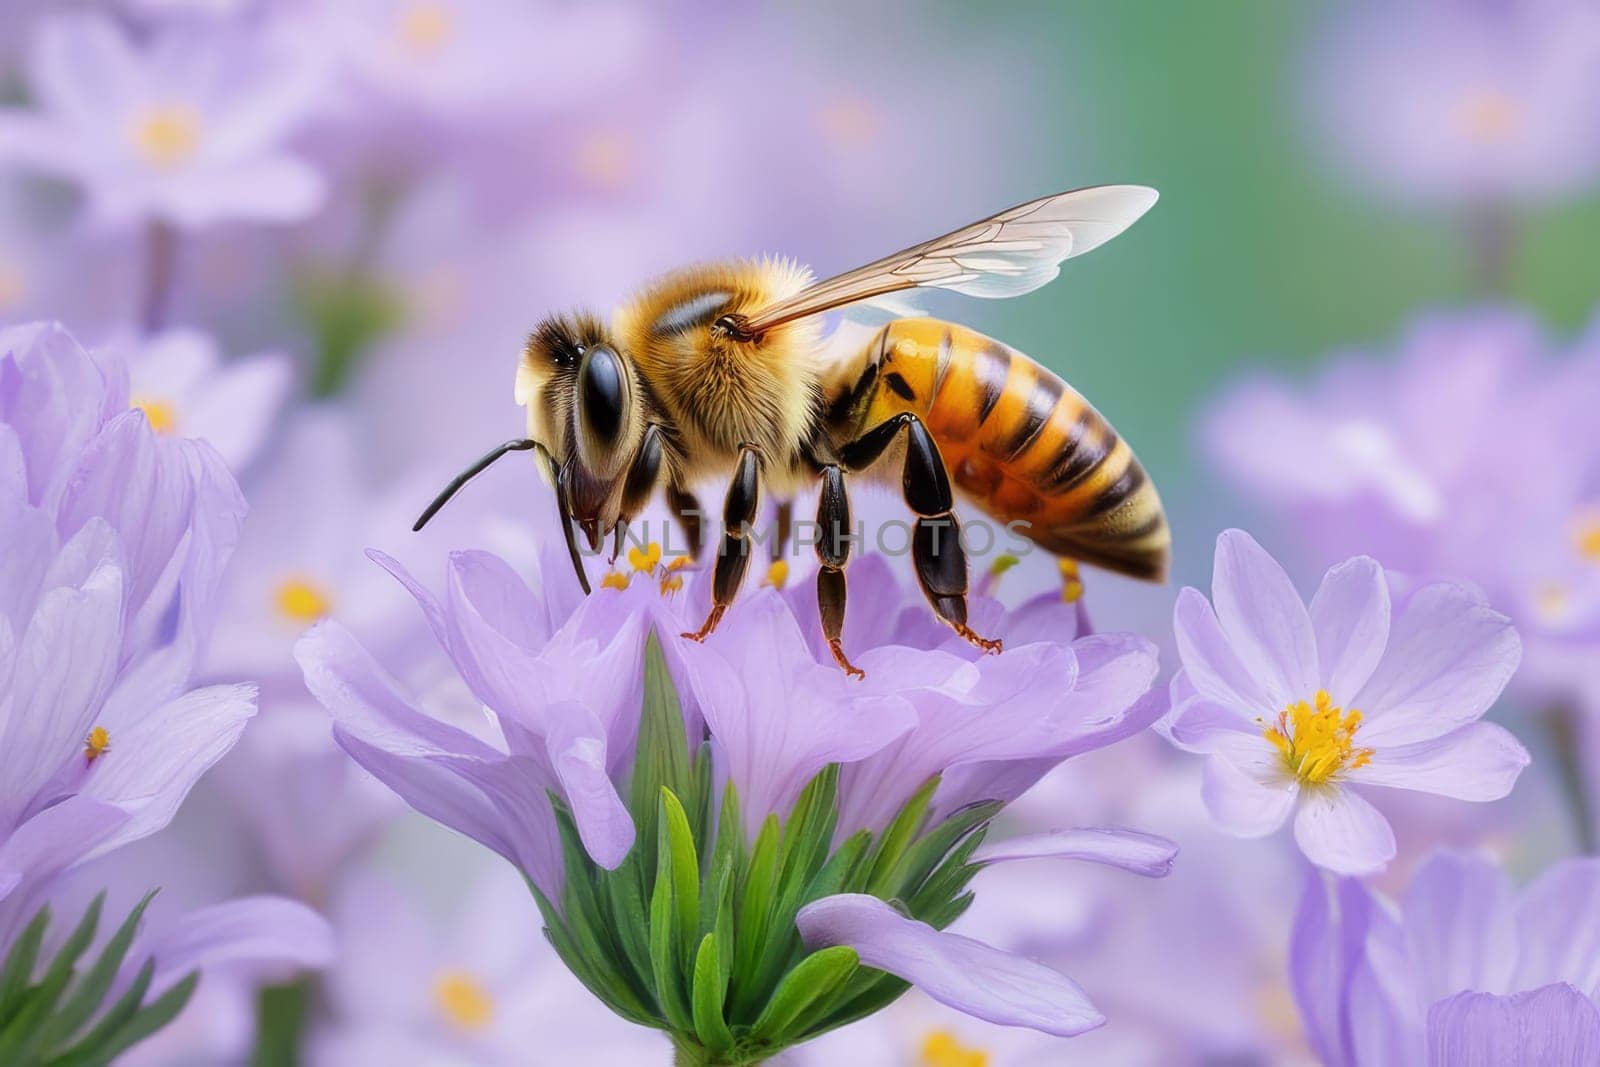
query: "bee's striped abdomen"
1024, 445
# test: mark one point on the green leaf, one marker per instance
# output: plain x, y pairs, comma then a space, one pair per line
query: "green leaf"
115, 1018
662, 760
752, 909
664, 942
897, 837
138, 1026
917, 864
811, 984
18, 970
685, 871
88, 994
625, 892
709, 1025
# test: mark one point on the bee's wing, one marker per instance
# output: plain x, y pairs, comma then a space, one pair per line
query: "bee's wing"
1012, 253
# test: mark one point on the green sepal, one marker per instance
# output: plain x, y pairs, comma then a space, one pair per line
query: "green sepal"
18, 970
812, 983
97, 983
897, 837
709, 990
664, 942
662, 751
143, 1023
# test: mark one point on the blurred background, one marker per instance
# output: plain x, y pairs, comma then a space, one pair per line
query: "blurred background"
320, 231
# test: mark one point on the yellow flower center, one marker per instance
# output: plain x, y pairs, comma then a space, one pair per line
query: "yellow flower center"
167, 134
1487, 116
778, 573
97, 744
302, 600
463, 1001
1552, 601
941, 1048
1318, 742
1586, 535
1071, 583
13, 286
162, 415
424, 29
614, 580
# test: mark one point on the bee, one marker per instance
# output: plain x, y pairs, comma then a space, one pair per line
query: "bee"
721, 370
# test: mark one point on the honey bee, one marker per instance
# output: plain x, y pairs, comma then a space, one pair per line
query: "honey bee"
721, 370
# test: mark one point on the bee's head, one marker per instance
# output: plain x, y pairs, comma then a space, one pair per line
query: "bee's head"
581, 394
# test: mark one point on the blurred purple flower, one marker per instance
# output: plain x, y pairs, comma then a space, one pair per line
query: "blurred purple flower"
1465, 971
1462, 100
185, 390
1294, 707
480, 988
1394, 461
187, 129
115, 540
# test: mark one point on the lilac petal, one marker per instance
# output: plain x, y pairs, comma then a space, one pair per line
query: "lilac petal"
63, 666
777, 715
961, 973
1264, 619
1245, 800
1211, 662
1197, 723
1449, 657
1326, 949
441, 771
57, 838
1350, 614
239, 404
1130, 850
152, 765
1340, 831
1460, 932
1555, 1024
1479, 761
1558, 927
81, 65
51, 380
264, 935
577, 750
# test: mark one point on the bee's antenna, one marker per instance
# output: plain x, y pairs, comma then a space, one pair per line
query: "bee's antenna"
521, 444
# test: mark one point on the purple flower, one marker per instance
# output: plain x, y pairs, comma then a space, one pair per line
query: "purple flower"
115, 540
1295, 706
1461, 100
563, 697
1465, 970
188, 128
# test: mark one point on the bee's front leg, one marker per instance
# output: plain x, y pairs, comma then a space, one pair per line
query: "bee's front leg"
833, 552
643, 472
733, 555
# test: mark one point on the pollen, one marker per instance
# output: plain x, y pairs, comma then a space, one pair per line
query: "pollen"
167, 135
941, 1048
614, 580
1071, 583
644, 559
778, 573
1317, 741
97, 744
463, 1001
301, 600
424, 29
1487, 116
162, 415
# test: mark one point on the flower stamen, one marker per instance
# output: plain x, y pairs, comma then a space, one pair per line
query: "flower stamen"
941, 1048
162, 415
1318, 742
302, 600
463, 1001
96, 744
167, 135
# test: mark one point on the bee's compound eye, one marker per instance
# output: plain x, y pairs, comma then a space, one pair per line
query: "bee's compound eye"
602, 389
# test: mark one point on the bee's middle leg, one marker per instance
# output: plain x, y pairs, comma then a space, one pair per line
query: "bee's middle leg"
936, 551
833, 552
733, 555
686, 509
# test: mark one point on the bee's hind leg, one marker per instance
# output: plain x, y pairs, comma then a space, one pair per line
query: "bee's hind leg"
833, 552
936, 552
733, 555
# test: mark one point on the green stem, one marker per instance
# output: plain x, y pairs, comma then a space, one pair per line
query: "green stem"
283, 1013
160, 271
1566, 739
688, 1053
